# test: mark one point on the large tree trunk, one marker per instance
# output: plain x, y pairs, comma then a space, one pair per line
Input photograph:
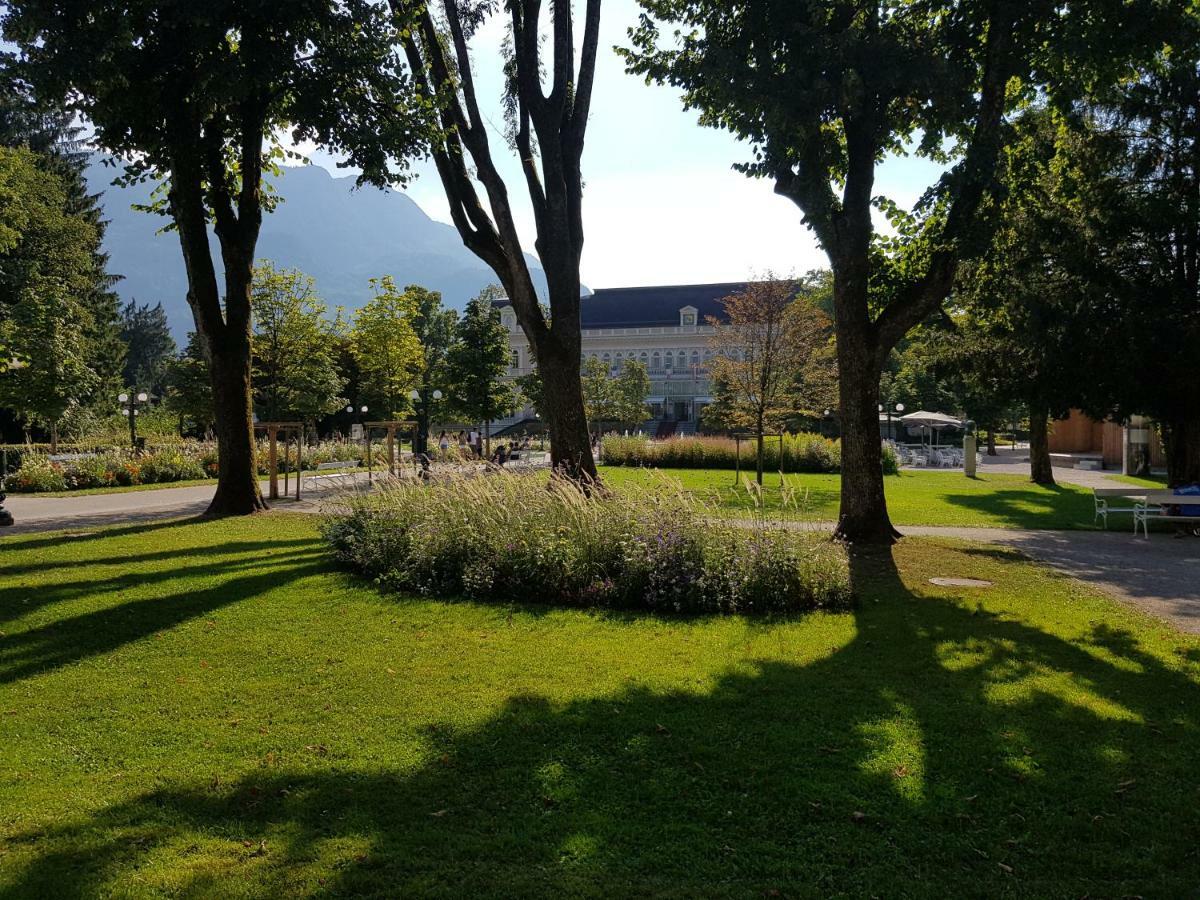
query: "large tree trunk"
570, 443
863, 518
237, 472
1181, 441
991, 442
1040, 470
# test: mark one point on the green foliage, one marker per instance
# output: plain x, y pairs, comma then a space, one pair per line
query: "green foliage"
477, 362
47, 272
189, 387
619, 400
435, 330
294, 348
505, 536
149, 347
386, 347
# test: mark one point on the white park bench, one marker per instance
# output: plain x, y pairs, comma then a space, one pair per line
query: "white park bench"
1154, 507
334, 479
70, 457
1104, 497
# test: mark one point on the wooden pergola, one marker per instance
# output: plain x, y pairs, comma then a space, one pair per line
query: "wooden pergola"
289, 431
391, 427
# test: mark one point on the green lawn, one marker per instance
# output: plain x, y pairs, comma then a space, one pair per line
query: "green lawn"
914, 498
210, 709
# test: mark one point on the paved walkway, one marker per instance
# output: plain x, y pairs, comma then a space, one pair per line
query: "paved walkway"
1160, 575
34, 514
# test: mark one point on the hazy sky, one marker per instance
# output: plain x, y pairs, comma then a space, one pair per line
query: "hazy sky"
662, 204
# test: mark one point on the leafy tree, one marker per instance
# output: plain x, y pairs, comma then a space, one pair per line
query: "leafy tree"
46, 272
150, 347
547, 133
56, 140
476, 365
619, 400
193, 94
189, 387
1134, 187
824, 90
386, 347
760, 348
294, 348
435, 330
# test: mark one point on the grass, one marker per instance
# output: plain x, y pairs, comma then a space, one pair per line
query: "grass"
211, 709
1158, 482
914, 498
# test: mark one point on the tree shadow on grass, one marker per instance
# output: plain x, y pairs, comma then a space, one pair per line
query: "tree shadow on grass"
68, 640
1041, 507
943, 750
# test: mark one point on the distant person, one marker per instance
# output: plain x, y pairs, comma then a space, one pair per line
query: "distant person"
500, 457
463, 447
476, 444
443, 442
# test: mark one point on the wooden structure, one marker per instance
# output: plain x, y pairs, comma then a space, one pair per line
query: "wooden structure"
1079, 434
751, 437
290, 431
391, 427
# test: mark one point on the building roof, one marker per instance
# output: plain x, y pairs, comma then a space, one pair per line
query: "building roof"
651, 307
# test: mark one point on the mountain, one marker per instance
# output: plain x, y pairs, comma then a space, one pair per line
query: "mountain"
323, 226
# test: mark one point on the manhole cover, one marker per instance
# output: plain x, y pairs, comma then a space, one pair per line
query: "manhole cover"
960, 582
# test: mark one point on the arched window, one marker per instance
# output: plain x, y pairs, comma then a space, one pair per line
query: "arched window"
644, 358
681, 360
515, 359
656, 361
696, 358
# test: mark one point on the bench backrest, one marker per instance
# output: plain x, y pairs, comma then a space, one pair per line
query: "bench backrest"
67, 457
339, 464
1167, 497
1121, 492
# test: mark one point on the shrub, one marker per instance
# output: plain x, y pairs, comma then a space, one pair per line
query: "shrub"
801, 453
163, 466
513, 537
804, 452
37, 474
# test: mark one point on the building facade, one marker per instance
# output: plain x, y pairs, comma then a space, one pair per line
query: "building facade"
665, 328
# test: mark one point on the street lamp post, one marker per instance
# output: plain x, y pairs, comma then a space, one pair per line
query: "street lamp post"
421, 439
131, 411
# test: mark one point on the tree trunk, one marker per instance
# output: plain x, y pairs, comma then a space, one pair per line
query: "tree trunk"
1040, 470
863, 518
237, 473
570, 444
53, 437
991, 443
1181, 440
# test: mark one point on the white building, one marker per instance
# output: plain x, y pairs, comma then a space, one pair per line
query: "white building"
666, 328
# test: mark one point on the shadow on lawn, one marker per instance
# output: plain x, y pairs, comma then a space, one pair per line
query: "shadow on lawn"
1032, 507
933, 754
68, 640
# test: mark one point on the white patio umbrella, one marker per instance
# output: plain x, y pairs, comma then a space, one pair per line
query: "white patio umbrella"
934, 421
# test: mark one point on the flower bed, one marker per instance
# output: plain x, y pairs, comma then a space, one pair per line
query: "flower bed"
513, 538
801, 453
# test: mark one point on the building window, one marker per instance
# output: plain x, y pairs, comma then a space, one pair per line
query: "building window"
656, 361
696, 358
681, 360
515, 360
644, 358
